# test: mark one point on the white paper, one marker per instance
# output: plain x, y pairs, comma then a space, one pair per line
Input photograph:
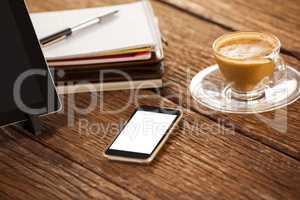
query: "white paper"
128, 29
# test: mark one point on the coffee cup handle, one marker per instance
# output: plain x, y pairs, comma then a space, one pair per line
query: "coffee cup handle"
279, 73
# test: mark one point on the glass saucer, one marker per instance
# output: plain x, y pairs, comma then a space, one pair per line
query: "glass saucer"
209, 89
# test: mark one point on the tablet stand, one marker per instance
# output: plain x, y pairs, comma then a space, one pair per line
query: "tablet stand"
32, 125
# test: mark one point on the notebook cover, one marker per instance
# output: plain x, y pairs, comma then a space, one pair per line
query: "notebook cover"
116, 65
126, 57
144, 72
108, 86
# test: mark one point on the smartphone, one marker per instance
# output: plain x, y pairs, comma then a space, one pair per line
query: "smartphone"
143, 135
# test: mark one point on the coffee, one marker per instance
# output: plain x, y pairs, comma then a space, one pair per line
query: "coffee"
245, 48
242, 59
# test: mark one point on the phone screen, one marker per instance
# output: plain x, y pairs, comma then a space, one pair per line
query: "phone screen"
143, 132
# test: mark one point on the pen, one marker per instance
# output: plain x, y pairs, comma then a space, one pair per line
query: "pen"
63, 34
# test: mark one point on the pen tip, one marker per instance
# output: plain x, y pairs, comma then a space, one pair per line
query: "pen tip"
108, 14
113, 12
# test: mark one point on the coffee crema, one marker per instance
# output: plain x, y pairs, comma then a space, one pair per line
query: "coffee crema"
245, 48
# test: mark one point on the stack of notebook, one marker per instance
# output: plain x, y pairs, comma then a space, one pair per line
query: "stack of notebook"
123, 52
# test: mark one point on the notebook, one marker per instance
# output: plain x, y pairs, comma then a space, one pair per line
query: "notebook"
136, 56
133, 29
128, 42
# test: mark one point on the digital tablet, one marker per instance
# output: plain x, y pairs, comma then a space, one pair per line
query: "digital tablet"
26, 85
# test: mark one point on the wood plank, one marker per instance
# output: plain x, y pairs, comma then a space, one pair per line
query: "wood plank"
189, 51
211, 162
52, 5
31, 171
281, 19
202, 160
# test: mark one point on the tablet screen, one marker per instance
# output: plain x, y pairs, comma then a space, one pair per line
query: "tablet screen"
25, 82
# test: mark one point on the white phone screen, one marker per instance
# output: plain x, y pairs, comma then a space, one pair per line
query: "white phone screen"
143, 132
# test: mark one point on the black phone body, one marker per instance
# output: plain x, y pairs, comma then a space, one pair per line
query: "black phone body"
143, 135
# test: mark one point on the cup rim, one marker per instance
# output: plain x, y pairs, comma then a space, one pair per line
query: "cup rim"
276, 39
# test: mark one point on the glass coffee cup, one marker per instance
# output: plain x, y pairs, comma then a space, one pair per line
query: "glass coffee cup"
250, 62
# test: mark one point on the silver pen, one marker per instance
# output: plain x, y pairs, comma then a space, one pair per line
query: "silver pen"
61, 35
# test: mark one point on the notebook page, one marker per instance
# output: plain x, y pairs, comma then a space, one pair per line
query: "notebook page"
128, 29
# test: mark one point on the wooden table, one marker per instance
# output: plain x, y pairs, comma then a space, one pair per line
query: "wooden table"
211, 155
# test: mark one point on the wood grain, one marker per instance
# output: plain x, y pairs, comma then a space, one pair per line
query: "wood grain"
278, 17
31, 171
202, 160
